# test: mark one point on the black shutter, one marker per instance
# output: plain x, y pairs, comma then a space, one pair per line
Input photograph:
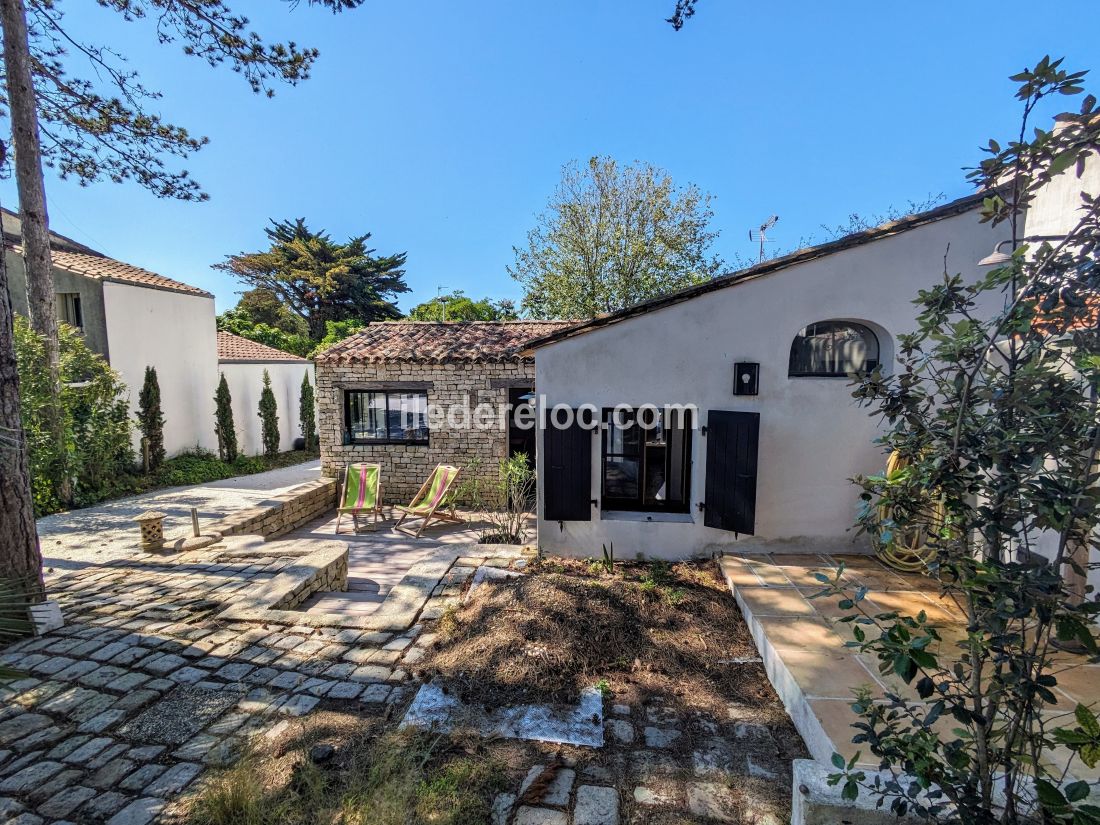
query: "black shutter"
567, 473
730, 499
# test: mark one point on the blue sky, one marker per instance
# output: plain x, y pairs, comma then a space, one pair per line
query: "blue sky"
441, 127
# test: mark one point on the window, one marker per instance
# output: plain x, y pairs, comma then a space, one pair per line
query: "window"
833, 349
68, 309
372, 417
647, 462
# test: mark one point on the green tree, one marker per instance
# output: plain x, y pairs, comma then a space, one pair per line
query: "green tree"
307, 414
239, 322
224, 427
269, 419
77, 107
262, 306
457, 307
612, 236
994, 409
320, 280
97, 456
150, 418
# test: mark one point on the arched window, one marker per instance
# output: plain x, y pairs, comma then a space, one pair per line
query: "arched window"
833, 349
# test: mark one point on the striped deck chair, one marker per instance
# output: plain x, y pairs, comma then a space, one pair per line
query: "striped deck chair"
426, 504
362, 494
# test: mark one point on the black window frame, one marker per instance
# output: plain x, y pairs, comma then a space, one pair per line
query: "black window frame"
638, 503
349, 439
869, 364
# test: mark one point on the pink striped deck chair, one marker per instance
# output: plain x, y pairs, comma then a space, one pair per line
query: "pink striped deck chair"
362, 494
433, 495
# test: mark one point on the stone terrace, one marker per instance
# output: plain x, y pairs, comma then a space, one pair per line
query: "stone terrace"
802, 643
123, 708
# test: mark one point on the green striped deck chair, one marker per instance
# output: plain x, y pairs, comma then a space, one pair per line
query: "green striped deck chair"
432, 502
361, 494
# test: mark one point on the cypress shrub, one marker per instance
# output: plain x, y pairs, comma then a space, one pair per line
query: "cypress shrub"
269, 418
223, 422
307, 414
150, 418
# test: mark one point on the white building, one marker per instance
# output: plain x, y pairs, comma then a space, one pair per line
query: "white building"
243, 362
763, 356
134, 318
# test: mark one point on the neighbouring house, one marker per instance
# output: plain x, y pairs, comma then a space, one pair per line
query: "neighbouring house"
374, 390
763, 355
243, 362
134, 318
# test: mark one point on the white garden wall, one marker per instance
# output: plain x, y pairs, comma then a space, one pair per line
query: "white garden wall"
175, 333
245, 381
813, 436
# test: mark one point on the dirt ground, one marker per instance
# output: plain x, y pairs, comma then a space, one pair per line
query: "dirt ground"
688, 706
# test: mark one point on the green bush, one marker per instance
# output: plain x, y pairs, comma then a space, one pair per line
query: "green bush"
198, 466
97, 455
150, 418
269, 419
224, 427
307, 414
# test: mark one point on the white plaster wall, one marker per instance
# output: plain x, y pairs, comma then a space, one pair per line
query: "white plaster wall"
813, 437
175, 333
1056, 211
245, 383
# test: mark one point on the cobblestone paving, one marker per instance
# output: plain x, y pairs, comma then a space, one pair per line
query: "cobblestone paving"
124, 707
664, 764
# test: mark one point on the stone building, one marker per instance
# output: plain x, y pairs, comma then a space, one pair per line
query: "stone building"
413, 394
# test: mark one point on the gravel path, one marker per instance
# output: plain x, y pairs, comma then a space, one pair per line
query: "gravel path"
107, 531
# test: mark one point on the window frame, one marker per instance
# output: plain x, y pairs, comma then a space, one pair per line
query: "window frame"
638, 504
70, 301
350, 440
870, 364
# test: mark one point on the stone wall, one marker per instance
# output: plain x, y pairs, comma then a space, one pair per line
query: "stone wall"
280, 514
329, 577
405, 467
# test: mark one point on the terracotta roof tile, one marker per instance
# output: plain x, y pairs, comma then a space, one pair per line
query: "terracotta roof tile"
235, 348
436, 342
102, 268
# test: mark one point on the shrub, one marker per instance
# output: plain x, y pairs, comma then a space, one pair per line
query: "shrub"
97, 456
269, 418
504, 501
223, 422
151, 419
995, 413
307, 414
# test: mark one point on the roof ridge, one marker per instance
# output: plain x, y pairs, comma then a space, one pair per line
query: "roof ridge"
958, 206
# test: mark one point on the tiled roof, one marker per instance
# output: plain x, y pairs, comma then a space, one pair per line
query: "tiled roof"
102, 268
235, 348
437, 342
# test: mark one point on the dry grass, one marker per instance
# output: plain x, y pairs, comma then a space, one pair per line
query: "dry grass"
647, 628
377, 777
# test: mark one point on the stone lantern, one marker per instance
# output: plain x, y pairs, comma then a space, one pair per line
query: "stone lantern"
152, 529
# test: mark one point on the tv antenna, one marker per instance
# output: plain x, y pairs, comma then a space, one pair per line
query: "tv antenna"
439, 296
761, 234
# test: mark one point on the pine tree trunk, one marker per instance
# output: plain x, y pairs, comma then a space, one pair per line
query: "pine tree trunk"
41, 299
20, 557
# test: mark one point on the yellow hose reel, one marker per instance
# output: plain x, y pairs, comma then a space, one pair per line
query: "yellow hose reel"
908, 548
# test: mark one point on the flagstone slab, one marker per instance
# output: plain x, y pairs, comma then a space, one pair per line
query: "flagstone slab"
580, 724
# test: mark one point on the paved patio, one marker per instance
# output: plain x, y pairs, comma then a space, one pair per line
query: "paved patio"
380, 556
802, 642
145, 687
106, 532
